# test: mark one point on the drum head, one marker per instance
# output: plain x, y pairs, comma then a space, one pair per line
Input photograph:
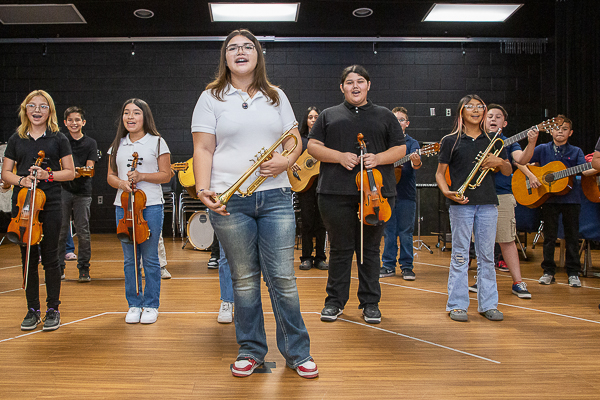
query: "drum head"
200, 231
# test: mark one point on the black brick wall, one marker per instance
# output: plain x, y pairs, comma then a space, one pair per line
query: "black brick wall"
170, 76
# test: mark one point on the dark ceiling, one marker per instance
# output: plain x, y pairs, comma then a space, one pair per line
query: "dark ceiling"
326, 18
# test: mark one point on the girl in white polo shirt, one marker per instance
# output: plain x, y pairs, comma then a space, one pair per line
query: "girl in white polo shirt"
137, 134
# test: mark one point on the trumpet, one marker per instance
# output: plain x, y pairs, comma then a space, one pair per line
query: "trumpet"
480, 159
262, 156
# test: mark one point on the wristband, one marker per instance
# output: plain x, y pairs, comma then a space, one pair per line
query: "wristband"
199, 191
20, 179
50, 177
417, 165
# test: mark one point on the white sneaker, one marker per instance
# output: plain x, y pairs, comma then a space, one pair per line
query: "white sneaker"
149, 316
574, 281
225, 313
164, 274
133, 315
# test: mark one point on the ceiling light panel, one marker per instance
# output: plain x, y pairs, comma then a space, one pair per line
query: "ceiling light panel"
35, 14
471, 12
254, 12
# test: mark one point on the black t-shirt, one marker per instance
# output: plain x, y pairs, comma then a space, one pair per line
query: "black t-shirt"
25, 152
83, 149
337, 128
461, 161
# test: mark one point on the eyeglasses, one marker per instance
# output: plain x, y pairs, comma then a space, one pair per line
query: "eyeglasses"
42, 107
246, 47
401, 120
471, 106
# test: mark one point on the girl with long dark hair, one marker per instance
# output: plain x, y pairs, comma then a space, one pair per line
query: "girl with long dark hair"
137, 133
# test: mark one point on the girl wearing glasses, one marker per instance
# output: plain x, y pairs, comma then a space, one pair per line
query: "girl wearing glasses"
476, 211
39, 131
237, 114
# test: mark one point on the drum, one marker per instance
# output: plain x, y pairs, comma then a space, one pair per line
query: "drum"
199, 230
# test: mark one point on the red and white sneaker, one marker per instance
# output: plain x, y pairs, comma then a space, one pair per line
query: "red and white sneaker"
244, 367
308, 369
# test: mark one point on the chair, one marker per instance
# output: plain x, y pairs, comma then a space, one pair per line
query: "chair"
528, 220
187, 204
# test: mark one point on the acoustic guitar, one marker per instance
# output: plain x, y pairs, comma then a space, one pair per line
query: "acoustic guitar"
302, 180
179, 166
85, 171
427, 151
591, 187
555, 178
186, 178
545, 126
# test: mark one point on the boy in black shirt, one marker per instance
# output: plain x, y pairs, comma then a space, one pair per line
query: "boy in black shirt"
77, 194
333, 141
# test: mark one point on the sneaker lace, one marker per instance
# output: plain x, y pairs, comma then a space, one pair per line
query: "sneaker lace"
522, 286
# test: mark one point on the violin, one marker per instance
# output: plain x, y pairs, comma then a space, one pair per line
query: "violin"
26, 229
375, 209
132, 228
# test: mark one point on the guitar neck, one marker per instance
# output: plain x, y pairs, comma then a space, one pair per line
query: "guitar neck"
516, 138
404, 159
572, 171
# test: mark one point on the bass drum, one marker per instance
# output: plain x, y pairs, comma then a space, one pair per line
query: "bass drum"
199, 230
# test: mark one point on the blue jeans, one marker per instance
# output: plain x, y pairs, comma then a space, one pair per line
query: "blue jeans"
70, 246
225, 277
258, 237
464, 219
401, 224
148, 251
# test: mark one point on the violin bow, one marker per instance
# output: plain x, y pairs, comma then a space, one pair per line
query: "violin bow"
38, 162
362, 207
131, 209
31, 212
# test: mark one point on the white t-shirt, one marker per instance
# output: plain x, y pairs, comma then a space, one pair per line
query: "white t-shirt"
147, 149
241, 133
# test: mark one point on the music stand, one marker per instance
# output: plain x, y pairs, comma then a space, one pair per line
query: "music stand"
419, 244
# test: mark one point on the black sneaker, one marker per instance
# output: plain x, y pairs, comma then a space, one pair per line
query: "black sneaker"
330, 313
31, 321
306, 265
322, 265
84, 275
408, 275
51, 320
384, 272
371, 314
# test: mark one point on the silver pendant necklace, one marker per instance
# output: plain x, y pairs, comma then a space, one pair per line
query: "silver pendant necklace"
245, 102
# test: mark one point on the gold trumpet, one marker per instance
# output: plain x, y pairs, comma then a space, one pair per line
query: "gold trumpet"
262, 156
480, 159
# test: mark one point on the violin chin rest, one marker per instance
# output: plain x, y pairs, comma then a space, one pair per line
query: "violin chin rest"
123, 237
13, 237
373, 220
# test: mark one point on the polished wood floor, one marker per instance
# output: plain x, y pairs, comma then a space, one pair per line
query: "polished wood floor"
546, 348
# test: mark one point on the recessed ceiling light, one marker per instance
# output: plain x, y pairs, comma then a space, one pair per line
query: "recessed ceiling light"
143, 13
471, 12
254, 12
362, 12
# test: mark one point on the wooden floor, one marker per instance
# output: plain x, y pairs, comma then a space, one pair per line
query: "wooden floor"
547, 347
